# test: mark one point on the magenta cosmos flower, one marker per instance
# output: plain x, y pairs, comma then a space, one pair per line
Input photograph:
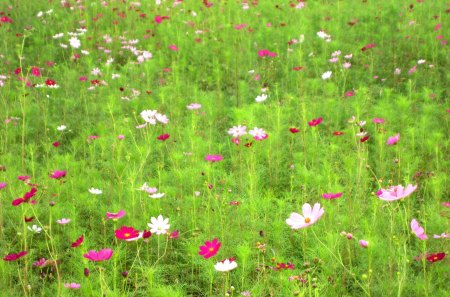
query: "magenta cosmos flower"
309, 217
332, 195
315, 122
126, 233
78, 242
73, 286
418, 230
396, 192
214, 158
210, 248
101, 255
115, 216
57, 174
14, 257
363, 243
393, 139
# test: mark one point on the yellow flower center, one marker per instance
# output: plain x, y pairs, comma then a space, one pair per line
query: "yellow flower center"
307, 220
127, 235
211, 249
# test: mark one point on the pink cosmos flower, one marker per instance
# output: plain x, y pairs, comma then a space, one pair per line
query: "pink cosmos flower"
418, 230
63, 221
331, 195
378, 120
240, 26
14, 257
40, 263
2, 185
393, 139
174, 235
35, 71
294, 130
120, 137
23, 177
368, 46
264, 52
101, 255
214, 158
126, 233
173, 47
446, 204
309, 217
159, 19
443, 235
396, 192
194, 106
363, 243
73, 286
57, 174
210, 248
115, 216
315, 122
25, 198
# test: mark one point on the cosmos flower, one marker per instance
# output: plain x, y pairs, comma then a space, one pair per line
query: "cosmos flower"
101, 255
126, 233
2, 185
443, 235
35, 229
396, 192
63, 221
436, 257
363, 243
378, 120
78, 242
331, 195
393, 139
159, 225
258, 133
418, 230
57, 174
237, 131
214, 158
95, 191
226, 265
73, 286
14, 257
261, 98
163, 137
115, 216
210, 248
309, 217
157, 195
194, 106
315, 122
326, 75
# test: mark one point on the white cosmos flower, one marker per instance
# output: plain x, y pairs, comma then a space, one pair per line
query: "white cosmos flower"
61, 128
35, 229
326, 75
309, 217
237, 131
261, 98
95, 191
159, 225
157, 195
226, 265
74, 42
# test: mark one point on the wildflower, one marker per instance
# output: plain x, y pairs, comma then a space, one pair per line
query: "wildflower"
237, 131
35, 71
35, 229
120, 136
40, 263
214, 158
63, 221
57, 174
210, 248
157, 195
294, 130
174, 235
396, 192
159, 225
443, 235
163, 137
378, 120
332, 195
95, 191
393, 139
323, 35
418, 230
347, 65
61, 128
14, 257
73, 286
309, 217
338, 133
326, 75
363, 243
115, 216
421, 61
101, 255
78, 242
412, 70
2, 185
368, 46
25, 198
261, 98
126, 233
194, 106
436, 257
258, 133
173, 47
315, 122
226, 265
74, 42
27, 220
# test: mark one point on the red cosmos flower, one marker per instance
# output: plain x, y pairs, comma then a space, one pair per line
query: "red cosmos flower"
23, 177
14, 257
294, 130
338, 133
50, 82
5, 19
57, 174
163, 137
146, 234
210, 248
174, 235
95, 82
25, 197
55, 144
436, 257
349, 94
298, 68
368, 46
78, 242
315, 122
35, 71
18, 71
364, 139
126, 233
27, 220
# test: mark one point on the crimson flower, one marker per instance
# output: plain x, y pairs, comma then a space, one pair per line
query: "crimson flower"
25, 198
294, 130
332, 195
210, 248
315, 122
6, 19
163, 137
364, 139
78, 242
174, 235
337, 133
126, 233
14, 257
436, 257
298, 68
368, 46
27, 220
50, 82
101, 255
35, 71
214, 158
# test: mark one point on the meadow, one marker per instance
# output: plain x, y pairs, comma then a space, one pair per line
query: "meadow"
224, 148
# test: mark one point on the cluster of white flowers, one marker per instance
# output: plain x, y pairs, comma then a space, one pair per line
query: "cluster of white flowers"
323, 35
152, 117
141, 55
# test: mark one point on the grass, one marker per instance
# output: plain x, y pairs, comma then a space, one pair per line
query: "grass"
245, 199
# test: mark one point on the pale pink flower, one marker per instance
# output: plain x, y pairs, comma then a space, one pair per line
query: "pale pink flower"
115, 216
443, 235
63, 221
418, 230
396, 192
363, 243
237, 131
309, 217
194, 106
73, 286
